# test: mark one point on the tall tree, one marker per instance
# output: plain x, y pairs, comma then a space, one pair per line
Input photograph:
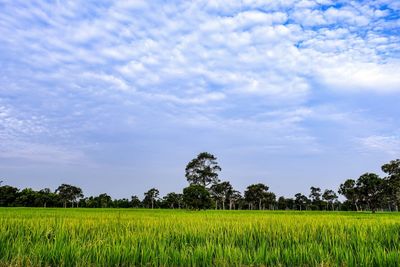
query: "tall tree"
329, 196
234, 198
151, 195
370, 187
203, 170
301, 201
69, 193
221, 192
256, 193
392, 169
315, 196
349, 190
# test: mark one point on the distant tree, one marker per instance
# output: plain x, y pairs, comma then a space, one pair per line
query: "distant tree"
69, 193
121, 203
256, 193
173, 200
8, 195
196, 196
301, 201
46, 198
26, 198
203, 170
315, 197
234, 198
103, 201
282, 203
221, 192
349, 190
330, 197
269, 200
151, 196
392, 188
135, 202
371, 187
285, 203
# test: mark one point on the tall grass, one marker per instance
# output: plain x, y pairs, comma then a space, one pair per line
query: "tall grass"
88, 237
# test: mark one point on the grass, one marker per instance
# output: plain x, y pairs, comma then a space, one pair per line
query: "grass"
134, 237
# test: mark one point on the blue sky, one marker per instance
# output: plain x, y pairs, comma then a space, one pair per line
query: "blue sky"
117, 96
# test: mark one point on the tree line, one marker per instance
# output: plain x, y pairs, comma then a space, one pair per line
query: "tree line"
369, 192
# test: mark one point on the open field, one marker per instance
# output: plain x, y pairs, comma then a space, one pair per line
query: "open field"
110, 237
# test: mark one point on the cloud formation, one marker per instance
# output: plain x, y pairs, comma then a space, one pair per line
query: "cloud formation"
281, 77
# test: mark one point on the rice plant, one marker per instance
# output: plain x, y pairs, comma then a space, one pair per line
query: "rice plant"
137, 237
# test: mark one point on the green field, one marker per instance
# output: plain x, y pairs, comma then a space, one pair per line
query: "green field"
137, 237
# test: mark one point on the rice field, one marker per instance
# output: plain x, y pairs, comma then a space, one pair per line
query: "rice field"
138, 237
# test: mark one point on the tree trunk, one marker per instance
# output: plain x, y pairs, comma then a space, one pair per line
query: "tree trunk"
152, 203
216, 204
65, 204
259, 204
223, 203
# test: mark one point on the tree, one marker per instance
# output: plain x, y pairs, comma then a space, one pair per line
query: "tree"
173, 200
135, 202
221, 192
392, 169
269, 200
69, 193
329, 196
26, 198
203, 170
256, 193
315, 196
370, 187
234, 198
8, 195
301, 201
46, 198
151, 196
349, 190
196, 196
103, 201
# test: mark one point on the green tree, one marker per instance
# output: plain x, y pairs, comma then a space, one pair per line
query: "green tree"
69, 193
196, 196
330, 197
256, 193
26, 198
371, 187
135, 202
392, 169
173, 200
221, 192
301, 201
234, 198
315, 197
151, 196
8, 195
349, 190
203, 170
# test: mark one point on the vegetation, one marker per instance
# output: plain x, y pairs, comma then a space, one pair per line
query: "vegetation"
142, 237
206, 191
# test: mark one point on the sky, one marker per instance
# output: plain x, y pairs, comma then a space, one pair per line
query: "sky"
118, 96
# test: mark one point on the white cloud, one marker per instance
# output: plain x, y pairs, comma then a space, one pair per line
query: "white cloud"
359, 76
386, 144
